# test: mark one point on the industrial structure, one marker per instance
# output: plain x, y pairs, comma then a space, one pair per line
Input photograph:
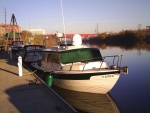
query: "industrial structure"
11, 30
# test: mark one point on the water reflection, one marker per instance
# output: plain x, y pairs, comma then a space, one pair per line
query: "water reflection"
88, 102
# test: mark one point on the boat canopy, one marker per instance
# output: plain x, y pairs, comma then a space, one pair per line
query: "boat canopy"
80, 55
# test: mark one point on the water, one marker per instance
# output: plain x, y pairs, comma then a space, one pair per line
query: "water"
132, 91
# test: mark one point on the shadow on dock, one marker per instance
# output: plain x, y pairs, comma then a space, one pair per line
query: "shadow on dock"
31, 99
9, 71
5, 57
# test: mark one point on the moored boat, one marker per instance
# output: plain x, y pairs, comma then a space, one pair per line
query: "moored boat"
78, 67
32, 53
17, 47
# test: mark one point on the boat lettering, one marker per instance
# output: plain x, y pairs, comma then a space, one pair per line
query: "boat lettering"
107, 76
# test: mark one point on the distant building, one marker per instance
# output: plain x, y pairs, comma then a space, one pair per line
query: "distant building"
9, 28
37, 31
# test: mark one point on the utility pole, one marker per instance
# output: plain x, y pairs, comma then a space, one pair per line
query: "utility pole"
97, 27
139, 26
6, 42
5, 19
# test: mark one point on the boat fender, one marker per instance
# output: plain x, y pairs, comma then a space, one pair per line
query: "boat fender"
49, 79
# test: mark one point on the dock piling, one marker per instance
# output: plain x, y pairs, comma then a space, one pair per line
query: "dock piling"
20, 65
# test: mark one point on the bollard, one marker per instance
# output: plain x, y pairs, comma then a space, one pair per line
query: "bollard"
49, 79
20, 65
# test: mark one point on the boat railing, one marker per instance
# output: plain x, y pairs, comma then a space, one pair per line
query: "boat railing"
115, 59
115, 63
118, 61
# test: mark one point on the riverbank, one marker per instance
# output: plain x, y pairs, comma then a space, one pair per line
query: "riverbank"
128, 39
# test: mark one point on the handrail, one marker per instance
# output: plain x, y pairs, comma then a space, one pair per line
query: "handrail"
119, 59
118, 62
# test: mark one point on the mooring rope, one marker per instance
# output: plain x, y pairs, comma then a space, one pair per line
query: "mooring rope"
26, 70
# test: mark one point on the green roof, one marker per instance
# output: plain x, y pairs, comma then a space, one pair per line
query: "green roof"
10, 35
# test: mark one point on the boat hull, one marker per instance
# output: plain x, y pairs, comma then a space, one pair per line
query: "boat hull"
91, 81
96, 84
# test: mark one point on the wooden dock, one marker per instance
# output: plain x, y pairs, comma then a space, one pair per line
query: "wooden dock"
18, 96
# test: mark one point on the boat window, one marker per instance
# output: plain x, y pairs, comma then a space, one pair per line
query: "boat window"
39, 53
80, 55
29, 48
30, 54
43, 56
35, 47
53, 57
39, 47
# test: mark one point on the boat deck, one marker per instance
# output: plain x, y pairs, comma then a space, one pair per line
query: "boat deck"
19, 94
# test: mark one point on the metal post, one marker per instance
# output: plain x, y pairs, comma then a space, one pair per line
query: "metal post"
8, 51
10, 54
20, 65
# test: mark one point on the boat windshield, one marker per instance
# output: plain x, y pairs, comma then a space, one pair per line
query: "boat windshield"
80, 55
32, 47
30, 54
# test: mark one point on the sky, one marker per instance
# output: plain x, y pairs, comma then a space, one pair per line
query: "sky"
80, 16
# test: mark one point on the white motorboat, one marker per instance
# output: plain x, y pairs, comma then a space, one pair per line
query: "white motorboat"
78, 67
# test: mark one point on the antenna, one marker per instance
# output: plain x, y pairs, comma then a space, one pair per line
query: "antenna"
63, 21
97, 27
